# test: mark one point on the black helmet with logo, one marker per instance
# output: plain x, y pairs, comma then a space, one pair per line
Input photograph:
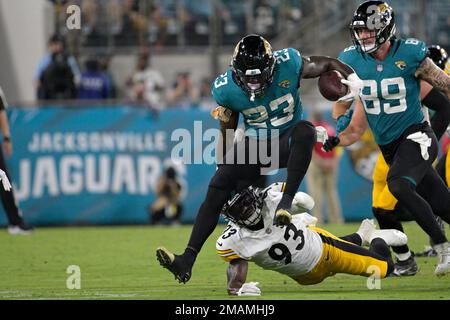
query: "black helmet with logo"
253, 64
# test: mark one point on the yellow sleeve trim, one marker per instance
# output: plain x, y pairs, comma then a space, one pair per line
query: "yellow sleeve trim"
224, 251
283, 186
228, 255
230, 258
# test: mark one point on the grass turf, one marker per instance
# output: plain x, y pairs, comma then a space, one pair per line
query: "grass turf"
120, 263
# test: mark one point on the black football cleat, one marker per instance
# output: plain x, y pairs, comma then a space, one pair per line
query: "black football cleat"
175, 264
428, 251
406, 268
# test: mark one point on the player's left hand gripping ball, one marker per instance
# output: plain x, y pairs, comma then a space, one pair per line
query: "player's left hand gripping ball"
355, 84
5, 181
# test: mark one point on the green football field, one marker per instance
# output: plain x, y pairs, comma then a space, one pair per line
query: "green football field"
120, 263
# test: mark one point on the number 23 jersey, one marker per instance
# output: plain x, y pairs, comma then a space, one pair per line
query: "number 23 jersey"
279, 107
292, 250
391, 92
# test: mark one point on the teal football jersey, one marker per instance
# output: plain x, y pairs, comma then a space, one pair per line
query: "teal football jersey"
280, 106
391, 93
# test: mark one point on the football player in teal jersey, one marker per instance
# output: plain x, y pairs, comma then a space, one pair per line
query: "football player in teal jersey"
391, 70
263, 86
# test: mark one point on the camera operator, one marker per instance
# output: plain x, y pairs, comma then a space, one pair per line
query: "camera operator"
167, 204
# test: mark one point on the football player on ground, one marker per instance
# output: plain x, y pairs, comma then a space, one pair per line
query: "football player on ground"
299, 250
263, 86
391, 70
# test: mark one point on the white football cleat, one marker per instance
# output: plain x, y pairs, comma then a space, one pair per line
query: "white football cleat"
20, 230
392, 237
443, 251
365, 231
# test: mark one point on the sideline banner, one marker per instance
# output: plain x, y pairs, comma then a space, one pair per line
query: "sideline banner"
99, 165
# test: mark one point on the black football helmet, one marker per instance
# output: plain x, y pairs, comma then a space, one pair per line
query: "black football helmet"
438, 55
244, 208
253, 64
377, 20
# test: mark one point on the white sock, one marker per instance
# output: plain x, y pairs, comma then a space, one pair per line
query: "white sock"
403, 256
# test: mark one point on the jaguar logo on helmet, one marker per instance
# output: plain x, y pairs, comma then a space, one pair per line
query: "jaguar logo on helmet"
268, 47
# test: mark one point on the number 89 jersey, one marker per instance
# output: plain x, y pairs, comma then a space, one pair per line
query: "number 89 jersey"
293, 250
280, 106
391, 93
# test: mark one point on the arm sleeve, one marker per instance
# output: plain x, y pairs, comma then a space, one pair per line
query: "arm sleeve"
438, 102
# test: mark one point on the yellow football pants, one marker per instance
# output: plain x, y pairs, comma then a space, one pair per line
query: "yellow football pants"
381, 196
340, 256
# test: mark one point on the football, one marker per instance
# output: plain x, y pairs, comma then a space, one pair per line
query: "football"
330, 85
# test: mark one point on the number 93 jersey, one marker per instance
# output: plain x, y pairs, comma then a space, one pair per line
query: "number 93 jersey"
293, 250
391, 92
280, 106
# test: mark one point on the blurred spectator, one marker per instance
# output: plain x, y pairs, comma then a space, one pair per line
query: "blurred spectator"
289, 15
234, 16
57, 81
93, 83
97, 22
157, 26
183, 92
131, 22
104, 62
265, 18
206, 100
167, 205
321, 177
195, 16
146, 84
55, 46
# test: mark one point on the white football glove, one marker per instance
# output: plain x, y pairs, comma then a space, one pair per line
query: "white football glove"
5, 181
302, 202
322, 134
355, 84
249, 289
